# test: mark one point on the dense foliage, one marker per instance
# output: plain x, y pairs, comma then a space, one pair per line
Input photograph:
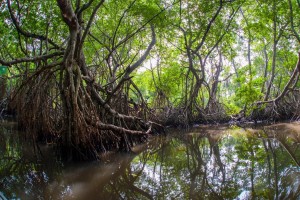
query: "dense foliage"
98, 75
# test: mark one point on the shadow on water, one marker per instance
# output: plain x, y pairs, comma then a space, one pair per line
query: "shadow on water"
206, 163
23, 171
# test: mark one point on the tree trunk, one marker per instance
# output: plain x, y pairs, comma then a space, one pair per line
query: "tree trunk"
275, 41
2, 88
266, 68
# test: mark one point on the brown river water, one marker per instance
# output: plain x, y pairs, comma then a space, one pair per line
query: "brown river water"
207, 162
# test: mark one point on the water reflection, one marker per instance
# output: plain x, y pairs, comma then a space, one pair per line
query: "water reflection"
207, 163
24, 171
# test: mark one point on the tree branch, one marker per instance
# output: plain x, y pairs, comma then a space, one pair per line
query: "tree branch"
225, 32
27, 34
68, 14
33, 59
292, 20
87, 29
84, 7
287, 86
209, 26
120, 20
131, 68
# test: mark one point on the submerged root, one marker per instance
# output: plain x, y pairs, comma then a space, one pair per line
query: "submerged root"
79, 123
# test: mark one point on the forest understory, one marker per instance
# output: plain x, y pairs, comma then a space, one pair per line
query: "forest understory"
97, 76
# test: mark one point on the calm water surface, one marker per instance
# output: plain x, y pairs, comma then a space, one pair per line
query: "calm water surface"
205, 163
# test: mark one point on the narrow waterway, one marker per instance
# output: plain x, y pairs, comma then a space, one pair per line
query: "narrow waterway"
204, 163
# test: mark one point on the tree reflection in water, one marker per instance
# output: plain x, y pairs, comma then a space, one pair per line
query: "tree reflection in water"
206, 163
221, 163
24, 173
